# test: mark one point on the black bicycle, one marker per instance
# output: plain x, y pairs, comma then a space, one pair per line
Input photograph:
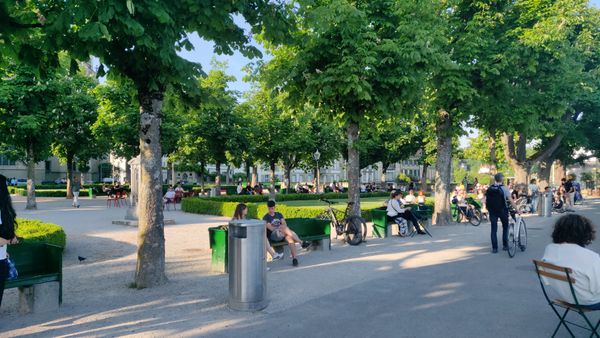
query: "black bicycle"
353, 228
470, 213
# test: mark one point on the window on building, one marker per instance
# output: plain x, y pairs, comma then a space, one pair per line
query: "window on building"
5, 161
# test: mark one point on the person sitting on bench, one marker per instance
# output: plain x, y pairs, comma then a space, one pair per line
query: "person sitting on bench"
277, 231
394, 211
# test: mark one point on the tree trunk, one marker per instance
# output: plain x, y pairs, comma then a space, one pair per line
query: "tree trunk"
218, 179
202, 166
272, 179
247, 167
173, 177
443, 169
254, 176
515, 155
492, 148
31, 203
69, 176
423, 179
150, 269
228, 175
560, 172
544, 174
288, 178
353, 169
384, 167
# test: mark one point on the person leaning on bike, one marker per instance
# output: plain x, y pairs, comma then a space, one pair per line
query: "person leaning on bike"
496, 197
394, 211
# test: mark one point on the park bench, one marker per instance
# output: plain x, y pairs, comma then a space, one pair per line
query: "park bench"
382, 227
316, 231
40, 275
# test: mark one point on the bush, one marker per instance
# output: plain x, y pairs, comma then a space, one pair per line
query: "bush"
37, 231
255, 210
291, 197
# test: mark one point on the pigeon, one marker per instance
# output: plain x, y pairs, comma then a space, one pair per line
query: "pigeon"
81, 259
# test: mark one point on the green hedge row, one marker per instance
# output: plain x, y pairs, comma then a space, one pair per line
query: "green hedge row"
255, 210
290, 197
41, 193
37, 231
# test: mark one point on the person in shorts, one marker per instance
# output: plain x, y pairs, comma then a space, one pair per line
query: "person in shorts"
277, 231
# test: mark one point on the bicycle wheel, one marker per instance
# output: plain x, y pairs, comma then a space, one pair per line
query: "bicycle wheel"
512, 241
356, 230
475, 217
522, 236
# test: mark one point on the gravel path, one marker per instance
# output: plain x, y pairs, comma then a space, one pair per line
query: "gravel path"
421, 287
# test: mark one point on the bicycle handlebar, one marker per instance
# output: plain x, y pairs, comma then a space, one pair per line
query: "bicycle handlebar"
327, 201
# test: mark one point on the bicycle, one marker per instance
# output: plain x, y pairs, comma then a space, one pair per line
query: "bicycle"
353, 228
472, 214
517, 233
523, 204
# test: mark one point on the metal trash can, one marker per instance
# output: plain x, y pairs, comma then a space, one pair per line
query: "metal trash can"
547, 204
247, 266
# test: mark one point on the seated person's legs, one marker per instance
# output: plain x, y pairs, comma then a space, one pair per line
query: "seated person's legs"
409, 216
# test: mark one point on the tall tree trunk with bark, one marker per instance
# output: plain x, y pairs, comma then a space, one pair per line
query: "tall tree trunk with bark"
254, 175
272, 179
353, 169
423, 179
31, 203
202, 167
150, 269
443, 169
560, 172
247, 167
544, 173
228, 175
288, 178
492, 148
218, 178
516, 156
173, 177
382, 179
69, 176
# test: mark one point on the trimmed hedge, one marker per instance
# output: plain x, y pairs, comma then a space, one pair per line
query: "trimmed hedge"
291, 197
41, 193
255, 210
38, 231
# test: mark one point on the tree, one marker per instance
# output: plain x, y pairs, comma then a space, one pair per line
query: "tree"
357, 61
26, 109
140, 41
74, 112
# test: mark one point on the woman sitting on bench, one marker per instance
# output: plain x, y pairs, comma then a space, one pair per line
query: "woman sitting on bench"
394, 211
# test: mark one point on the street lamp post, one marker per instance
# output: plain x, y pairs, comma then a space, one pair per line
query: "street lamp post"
317, 156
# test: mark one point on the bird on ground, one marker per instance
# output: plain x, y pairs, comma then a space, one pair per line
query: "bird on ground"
81, 259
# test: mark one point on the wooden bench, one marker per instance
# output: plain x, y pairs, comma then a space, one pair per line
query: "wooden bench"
40, 275
316, 231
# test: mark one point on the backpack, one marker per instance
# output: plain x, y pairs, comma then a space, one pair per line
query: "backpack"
494, 199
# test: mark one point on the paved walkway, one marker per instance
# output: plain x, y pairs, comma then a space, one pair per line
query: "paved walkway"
449, 285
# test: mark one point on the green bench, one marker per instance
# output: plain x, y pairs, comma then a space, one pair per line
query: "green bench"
316, 231
382, 226
40, 275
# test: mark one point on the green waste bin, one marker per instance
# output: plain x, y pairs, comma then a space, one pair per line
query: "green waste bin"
218, 245
380, 223
91, 192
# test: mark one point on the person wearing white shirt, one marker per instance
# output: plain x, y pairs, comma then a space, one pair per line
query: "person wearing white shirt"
7, 231
395, 210
410, 197
570, 236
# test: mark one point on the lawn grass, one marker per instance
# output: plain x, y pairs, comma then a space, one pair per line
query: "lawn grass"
365, 203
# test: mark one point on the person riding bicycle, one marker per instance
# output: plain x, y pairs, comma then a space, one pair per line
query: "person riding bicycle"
496, 198
394, 211
277, 231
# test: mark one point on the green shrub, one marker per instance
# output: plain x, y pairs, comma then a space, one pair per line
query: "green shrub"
255, 210
37, 231
291, 197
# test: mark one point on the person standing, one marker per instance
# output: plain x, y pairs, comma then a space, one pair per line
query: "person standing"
76, 188
496, 198
569, 193
8, 224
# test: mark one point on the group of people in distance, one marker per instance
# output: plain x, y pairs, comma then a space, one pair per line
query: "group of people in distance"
249, 190
277, 230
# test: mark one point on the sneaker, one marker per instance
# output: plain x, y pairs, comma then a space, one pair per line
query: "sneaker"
295, 262
277, 255
305, 245
494, 250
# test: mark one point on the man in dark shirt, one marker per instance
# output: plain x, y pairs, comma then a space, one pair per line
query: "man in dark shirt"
277, 231
570, 193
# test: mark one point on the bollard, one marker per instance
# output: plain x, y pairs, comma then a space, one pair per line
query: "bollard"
548, 204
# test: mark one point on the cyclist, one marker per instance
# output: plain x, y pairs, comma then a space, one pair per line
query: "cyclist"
496, 197
394, 211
